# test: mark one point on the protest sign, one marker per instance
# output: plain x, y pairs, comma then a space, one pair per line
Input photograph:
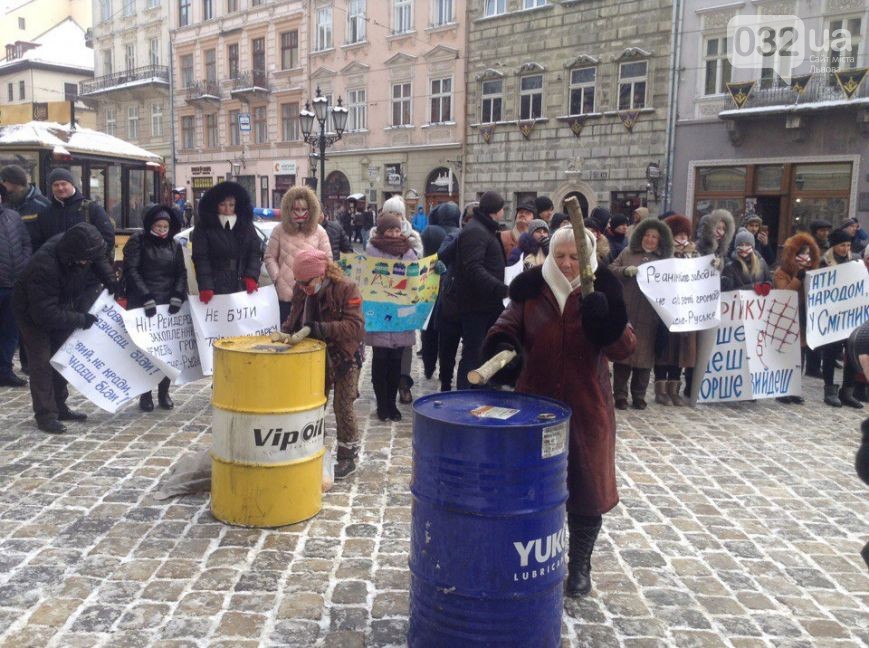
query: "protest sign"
754, 353
837, 302
236, 314
168, 340
103, 363
511, 272
685, 293
396, 295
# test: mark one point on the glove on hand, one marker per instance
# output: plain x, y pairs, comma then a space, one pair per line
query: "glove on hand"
150, 308
89, 320
630, 271
175, 305
801, 275
717, 263
112, 287
250, 285
206, 296
762, 288
595, 306
316, 331
440, 268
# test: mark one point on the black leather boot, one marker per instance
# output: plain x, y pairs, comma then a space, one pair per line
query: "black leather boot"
846, 397
831, 395
163, 395
582, 539
146, 402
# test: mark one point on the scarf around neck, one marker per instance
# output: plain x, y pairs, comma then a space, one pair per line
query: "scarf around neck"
393, 246
552, 275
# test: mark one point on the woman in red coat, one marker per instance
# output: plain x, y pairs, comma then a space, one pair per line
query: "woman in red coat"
564, 343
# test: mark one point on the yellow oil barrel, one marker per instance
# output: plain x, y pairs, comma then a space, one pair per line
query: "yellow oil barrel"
268, 424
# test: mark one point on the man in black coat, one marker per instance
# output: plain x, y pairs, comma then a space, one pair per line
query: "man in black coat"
45, 301
480, 287
338, 239
227, 251
23, 197
14, 254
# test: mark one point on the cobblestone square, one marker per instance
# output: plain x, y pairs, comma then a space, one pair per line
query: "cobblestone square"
739, 525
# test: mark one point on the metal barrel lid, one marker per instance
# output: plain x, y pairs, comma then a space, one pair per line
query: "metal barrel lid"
264, 344
482, 408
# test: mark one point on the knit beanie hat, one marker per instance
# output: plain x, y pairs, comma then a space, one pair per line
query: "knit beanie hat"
387, 221
59, 174
14, 174
601, 217
641, 212
529, 207
618, 220
537, 224
744, 237
558, 219
491, 203
543, 203
838, 236
309, 263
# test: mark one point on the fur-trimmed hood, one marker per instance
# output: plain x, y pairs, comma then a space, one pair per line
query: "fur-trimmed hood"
706, 243
665, 245
792, 247
314, 210
152, 213
213, 197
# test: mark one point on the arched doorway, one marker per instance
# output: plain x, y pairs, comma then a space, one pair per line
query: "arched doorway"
442, 185
583, 203
336, 189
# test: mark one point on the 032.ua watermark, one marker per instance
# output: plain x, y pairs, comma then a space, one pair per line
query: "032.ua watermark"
783, 43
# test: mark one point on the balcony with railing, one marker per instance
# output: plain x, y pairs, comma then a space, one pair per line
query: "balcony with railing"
821, 92
147, 75
250, 84
203, 93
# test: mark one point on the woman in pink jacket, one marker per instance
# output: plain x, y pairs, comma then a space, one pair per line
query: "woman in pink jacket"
300, 229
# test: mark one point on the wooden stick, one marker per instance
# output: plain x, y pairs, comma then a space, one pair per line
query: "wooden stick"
585, 272
484, 374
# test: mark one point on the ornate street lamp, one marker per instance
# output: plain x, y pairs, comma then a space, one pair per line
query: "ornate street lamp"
320, 140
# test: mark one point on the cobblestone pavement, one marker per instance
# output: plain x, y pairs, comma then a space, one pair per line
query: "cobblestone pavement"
739, 526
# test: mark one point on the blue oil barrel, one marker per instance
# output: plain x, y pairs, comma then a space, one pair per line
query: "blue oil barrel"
488, 546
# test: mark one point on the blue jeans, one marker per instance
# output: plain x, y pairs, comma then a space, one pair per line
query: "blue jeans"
8, 332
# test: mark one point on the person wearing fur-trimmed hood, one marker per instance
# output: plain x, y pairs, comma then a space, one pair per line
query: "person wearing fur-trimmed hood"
799, 254
651, 240
714, 233
225, 246
299, 230
564, 342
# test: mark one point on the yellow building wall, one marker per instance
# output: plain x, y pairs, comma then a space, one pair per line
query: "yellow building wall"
58, 111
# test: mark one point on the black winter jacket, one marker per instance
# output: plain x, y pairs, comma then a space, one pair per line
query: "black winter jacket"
45, 294
31, 205
222, 257
154, 267
735, 277
480, 262
338, 239
62, 215
14, 247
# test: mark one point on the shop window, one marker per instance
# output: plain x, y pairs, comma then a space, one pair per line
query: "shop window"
703, 206
721, 179
822, 177
805, 210
768, 178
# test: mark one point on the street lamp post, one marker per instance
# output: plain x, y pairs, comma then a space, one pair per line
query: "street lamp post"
321, 140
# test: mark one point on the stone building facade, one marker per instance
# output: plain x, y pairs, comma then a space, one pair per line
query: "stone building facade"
567, 98
790, 157
130, 88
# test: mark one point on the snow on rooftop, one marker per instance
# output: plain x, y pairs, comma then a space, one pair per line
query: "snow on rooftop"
63, 44
81, 140
795, 107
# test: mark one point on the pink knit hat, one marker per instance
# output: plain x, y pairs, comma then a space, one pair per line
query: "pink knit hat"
309, 264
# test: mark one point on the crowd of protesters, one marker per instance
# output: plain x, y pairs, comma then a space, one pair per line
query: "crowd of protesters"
55, 255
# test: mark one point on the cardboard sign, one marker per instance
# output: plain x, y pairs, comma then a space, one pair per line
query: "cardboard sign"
837, 302
103, 363
233, 315
396, 295
685, 293
168, 340
754, 353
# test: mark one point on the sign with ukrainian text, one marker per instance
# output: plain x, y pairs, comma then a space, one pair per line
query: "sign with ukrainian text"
837, 302
754, 353
168, 340
103, 363
234, 315
685, 293
397, 295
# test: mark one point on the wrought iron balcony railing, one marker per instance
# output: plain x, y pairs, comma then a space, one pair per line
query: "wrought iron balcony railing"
821, 87
250, 79
203, 90
157, 73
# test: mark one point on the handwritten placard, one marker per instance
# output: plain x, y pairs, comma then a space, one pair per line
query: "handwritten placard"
232, 315
685, 293
837, 302
103, 362
168, 340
